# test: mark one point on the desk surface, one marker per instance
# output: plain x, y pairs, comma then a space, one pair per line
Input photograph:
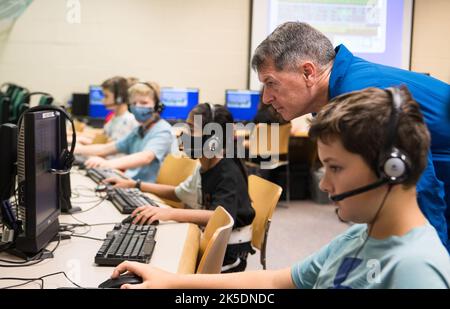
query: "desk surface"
175, 250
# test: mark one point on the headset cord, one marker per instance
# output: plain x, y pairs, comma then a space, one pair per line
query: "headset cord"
369, 231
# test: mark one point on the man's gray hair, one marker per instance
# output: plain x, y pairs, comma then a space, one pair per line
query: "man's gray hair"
292, 42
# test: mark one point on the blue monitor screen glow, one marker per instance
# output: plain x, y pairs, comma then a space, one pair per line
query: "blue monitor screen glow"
96, 107
178, 102
243, 104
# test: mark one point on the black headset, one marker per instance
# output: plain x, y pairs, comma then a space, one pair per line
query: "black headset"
66, 157
213, 140
393, 165
159, 107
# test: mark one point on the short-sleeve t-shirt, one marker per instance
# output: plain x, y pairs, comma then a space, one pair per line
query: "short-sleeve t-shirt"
120, 126
158, 139
415, 260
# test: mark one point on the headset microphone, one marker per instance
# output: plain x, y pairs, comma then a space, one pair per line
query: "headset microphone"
374, 185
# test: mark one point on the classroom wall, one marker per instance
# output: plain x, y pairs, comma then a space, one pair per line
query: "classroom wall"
195, 43
430, 43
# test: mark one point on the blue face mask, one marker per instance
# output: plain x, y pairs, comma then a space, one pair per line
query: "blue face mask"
142, 114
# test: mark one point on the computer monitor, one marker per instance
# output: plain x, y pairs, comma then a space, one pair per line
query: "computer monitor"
80, 104
242, 104
96, 107
178, 102
38, 149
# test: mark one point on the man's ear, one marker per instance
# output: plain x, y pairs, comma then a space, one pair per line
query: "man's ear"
309, 71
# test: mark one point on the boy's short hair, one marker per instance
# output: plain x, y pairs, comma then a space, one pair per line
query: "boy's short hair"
142, 88
118, 86
360, 120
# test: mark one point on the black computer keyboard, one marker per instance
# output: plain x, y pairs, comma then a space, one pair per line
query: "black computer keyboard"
99, 174
79, 160
127, 200
127, 242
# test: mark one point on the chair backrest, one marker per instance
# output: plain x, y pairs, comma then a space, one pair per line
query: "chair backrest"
214, 241
173, 171
261, 140
264, 195
45, 100
100, 138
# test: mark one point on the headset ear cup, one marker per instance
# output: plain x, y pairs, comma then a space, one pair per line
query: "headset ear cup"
66, 160
395, 167
160, 107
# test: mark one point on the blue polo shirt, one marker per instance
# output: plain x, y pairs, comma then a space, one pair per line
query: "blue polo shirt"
158, 139
350, 73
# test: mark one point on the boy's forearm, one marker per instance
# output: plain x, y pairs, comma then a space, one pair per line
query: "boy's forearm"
132, 161
101, 150
197, 216
268, 279
163, 191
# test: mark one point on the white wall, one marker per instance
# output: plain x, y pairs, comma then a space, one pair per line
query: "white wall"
430, 42
182, 43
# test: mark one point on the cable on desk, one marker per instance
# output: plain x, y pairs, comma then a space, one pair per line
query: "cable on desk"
34, 259
97, 204
87, 237
29, 280
79, 188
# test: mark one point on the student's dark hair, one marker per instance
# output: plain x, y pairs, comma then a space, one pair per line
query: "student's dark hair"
360, 119
222, 116
118, 86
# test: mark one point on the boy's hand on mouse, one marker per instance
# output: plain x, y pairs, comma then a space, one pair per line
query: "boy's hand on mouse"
152, 277
149, 214
118, 182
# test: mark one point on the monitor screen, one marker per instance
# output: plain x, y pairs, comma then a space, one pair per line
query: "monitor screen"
377, 30
178, 102
96, 107
80, 104
243, 104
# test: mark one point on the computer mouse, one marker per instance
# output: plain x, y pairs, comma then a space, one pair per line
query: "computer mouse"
130, 219
101, 188
118, 282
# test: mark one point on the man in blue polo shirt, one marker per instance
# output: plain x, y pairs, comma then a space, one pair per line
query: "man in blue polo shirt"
301, 72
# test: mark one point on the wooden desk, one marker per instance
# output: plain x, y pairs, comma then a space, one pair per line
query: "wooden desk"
175, 250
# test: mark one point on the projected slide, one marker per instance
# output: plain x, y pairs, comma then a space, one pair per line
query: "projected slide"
376, 30
360, 24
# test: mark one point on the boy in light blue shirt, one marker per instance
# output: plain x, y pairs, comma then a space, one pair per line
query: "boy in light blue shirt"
158, 140
373, 144
145, 147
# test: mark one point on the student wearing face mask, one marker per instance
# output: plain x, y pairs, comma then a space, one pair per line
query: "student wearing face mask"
145, 147
218, 181
115, 92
